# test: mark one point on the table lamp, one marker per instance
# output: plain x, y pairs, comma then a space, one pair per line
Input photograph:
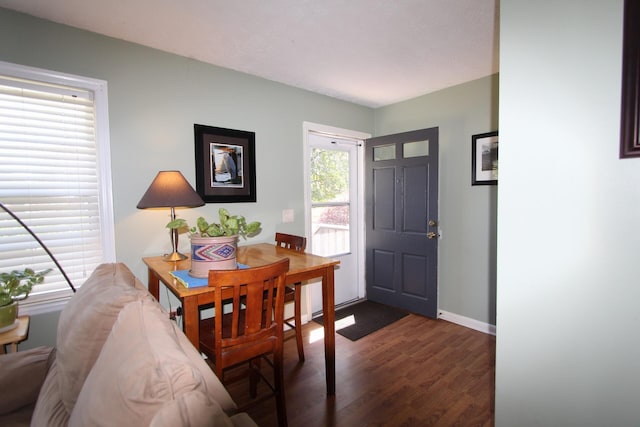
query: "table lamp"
170, 189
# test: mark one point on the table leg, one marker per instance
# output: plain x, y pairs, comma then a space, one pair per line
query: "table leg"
329, 317
189, 306
153, 283
191, 319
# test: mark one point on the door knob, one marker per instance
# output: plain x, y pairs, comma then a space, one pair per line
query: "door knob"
432, 235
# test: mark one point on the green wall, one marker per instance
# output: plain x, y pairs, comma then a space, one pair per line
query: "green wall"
154, 100
467, 214
156, 97
568, 282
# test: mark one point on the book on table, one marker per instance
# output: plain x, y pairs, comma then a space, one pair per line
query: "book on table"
189, 281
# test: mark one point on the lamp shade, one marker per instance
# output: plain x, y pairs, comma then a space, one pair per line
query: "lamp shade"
170, 189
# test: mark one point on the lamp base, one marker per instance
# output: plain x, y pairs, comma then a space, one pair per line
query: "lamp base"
174, 256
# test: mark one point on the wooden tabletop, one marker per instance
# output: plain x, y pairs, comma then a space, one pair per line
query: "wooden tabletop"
302, 266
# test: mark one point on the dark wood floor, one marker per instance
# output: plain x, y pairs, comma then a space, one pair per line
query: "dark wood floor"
415, 372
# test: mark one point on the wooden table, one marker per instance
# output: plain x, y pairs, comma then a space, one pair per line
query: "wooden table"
302, 267
15, 335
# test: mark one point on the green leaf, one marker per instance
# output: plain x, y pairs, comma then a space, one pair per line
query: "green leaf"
177, 223
203, 226
16, 285
252, 227
214, 230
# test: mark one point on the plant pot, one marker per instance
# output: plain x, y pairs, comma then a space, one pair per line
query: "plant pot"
212, 253
8, 315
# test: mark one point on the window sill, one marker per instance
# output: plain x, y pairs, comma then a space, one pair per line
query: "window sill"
44, 303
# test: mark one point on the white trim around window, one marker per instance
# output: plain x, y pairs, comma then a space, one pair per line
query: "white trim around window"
52, 297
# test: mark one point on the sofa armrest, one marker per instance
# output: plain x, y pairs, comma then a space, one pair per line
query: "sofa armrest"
21, 376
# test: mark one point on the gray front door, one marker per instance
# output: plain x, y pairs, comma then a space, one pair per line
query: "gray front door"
401, 181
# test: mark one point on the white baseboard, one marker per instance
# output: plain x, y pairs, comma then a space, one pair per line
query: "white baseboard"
487, 328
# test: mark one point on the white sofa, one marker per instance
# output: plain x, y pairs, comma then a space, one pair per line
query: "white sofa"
119, 360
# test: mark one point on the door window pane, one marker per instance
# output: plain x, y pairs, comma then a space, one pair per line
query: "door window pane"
330, 201
384, 152
329, 176
330, 228
415, 149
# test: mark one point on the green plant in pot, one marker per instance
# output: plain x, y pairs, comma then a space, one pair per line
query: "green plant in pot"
16, 286
214, 245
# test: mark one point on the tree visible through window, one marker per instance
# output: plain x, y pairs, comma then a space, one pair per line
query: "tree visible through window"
328, 178
330, 201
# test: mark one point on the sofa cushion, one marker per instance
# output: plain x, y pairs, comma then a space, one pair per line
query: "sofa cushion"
17, 418
214, 385
243, 419
21, 377
86, 322
49, 410
143, 373
187, 410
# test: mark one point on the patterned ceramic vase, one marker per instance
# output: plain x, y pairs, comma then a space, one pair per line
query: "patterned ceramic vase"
212, 253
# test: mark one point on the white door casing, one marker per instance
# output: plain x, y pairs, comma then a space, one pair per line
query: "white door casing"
349, 279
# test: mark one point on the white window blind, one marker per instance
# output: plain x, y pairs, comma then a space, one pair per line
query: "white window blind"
53, 178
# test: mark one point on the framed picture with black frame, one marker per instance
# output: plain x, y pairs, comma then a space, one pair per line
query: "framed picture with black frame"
484, 158
630, 108
225, 164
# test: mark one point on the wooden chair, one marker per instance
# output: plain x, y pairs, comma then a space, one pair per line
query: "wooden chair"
251, 327
293, 292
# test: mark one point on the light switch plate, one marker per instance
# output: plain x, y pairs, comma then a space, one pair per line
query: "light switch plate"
287, 215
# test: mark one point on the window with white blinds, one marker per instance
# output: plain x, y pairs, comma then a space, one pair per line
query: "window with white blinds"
55, 176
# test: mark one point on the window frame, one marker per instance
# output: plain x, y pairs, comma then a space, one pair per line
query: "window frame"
55, 301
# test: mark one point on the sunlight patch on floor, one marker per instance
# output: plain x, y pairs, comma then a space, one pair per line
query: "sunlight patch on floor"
318, 334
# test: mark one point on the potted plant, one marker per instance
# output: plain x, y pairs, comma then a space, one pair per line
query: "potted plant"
16, 286
214, 245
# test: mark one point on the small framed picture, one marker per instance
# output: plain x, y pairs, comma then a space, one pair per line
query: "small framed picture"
225, 164
484, 158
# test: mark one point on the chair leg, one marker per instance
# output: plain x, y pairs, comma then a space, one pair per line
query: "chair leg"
254, 376
278, 373
298, 320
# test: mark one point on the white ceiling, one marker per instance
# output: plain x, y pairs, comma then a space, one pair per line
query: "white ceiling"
371, 52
